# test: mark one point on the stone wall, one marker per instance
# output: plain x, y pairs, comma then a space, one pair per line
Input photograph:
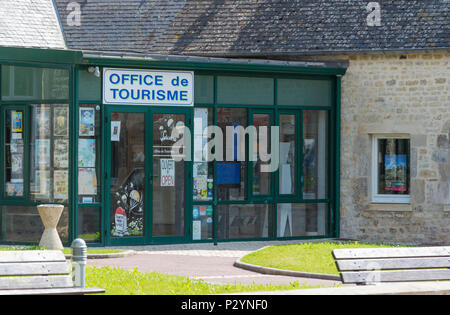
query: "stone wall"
397, 94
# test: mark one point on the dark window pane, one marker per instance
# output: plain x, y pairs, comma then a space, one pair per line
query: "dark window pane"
245, 221
89, 224
393, 166
302, 219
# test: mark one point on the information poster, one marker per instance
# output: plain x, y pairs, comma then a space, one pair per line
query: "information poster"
87, 122
17, 121
115, 131
42, 158
167, 172
86, 152
61, 121
196, 230
395, 166
87, 181
61, 153
60, 184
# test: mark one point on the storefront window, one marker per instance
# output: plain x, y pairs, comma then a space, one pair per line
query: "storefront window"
203, 167
315, 154
49, 147
202, 222
89, 158
23, 224
300, 92
295, 219
288, 155
245, 221
89, 224
392, 169
232, 169
262, 178
14, 153
34, 83
245, 90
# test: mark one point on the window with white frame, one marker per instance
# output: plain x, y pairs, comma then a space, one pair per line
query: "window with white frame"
391, 169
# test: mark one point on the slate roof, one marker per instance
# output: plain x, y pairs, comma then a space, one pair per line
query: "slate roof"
30, 23
255, 27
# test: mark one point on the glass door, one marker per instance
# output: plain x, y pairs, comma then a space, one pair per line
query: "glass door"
169, 174
126, 173
146, 175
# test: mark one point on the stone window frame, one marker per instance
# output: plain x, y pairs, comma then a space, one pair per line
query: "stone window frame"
379, 198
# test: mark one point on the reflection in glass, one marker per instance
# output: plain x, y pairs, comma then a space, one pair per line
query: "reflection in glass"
315, 154
245, 221
127, 174
302, 219
168, 175
14, 153
203, 189
261, 180
288, 166
89, 224
232, 172
202, 222
393, 166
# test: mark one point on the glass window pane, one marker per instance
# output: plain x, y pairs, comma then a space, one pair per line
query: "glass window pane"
295, 219
295, 92
245, 90
34, 83
14, 153
202, 222
89, 154
393, 166
169, 175
245, 221
127, 175
204, 89
232, 172
89, 86
89, 224
203, 170
49, 144
262, 147
23, 224
315, 154
288, 155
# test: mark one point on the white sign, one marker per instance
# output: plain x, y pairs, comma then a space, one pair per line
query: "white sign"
145, 87
167, 172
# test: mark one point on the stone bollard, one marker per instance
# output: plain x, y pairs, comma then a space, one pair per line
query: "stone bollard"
79, 259
50, 215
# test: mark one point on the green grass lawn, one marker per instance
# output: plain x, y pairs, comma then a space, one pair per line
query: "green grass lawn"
313, 257
132, 282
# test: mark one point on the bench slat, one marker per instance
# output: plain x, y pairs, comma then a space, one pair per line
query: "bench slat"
43, 282
31, 256
396, 276
59, 291
30, 269
395, 263
361, 253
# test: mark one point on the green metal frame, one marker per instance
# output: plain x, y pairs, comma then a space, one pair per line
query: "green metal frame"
73, 60
147, 238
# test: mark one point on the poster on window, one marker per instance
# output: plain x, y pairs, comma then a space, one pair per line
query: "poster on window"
61, 122
87, 181
86, 153
87, 121
61, 153
17, 121
42, 157
61, 184
395, 166
42, 122
167, 172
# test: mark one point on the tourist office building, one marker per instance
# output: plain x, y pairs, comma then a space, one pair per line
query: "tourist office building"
97, 133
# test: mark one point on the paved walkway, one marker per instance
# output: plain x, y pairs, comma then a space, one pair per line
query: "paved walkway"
203, 261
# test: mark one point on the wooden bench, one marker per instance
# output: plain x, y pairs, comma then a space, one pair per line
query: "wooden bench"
37, 273
378, 265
